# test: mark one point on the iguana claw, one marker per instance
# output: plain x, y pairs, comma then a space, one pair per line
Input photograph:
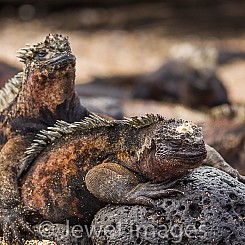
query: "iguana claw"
145, 193
13, 225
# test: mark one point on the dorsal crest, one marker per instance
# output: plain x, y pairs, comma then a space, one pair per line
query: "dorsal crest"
143, 121
62, 128
9, 92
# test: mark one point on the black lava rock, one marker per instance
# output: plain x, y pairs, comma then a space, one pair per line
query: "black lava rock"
212, 211
63, 234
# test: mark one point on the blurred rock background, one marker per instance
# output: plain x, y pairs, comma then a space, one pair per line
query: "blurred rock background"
127, 37
130, 38
118, 38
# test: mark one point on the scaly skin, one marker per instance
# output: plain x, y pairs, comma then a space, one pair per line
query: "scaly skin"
225, 131
96, 161
45, 95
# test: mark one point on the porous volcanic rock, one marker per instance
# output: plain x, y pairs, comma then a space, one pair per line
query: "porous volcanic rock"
63, 234
212, 211
36, 242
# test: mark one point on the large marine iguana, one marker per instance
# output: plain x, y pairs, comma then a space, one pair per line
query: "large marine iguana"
41, 94
113, 160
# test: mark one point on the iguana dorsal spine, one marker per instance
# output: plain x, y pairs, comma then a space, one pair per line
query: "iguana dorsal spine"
11, 89
61, 128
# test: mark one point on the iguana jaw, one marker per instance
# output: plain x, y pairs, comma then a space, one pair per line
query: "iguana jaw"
49, 88
53, 87
191, 157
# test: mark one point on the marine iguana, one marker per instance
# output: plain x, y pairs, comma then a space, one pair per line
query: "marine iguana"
41, 94
175, 81
75, 168
225, 131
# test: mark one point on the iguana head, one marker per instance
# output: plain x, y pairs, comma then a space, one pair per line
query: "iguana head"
173, 148
49, 71
53, 52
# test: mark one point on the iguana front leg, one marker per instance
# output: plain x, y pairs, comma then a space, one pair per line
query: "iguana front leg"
113, 183
12, 213
215, 160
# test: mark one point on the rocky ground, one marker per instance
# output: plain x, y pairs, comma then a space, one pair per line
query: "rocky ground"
208, 213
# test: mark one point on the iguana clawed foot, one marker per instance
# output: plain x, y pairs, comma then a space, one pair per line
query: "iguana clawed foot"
145, 193
241, 178
129, 189
235, 174
13, 224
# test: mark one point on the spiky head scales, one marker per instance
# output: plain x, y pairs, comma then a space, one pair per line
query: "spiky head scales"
51, 46
9, 92
180, 129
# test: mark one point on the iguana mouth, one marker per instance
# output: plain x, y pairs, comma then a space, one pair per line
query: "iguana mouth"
192, 157
61, 61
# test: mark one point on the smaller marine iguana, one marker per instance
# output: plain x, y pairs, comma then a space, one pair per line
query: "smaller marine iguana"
75, 166
43, 93
175, 81
225, 131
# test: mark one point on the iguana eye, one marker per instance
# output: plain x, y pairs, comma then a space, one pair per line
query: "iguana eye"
41, 54
174, 143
